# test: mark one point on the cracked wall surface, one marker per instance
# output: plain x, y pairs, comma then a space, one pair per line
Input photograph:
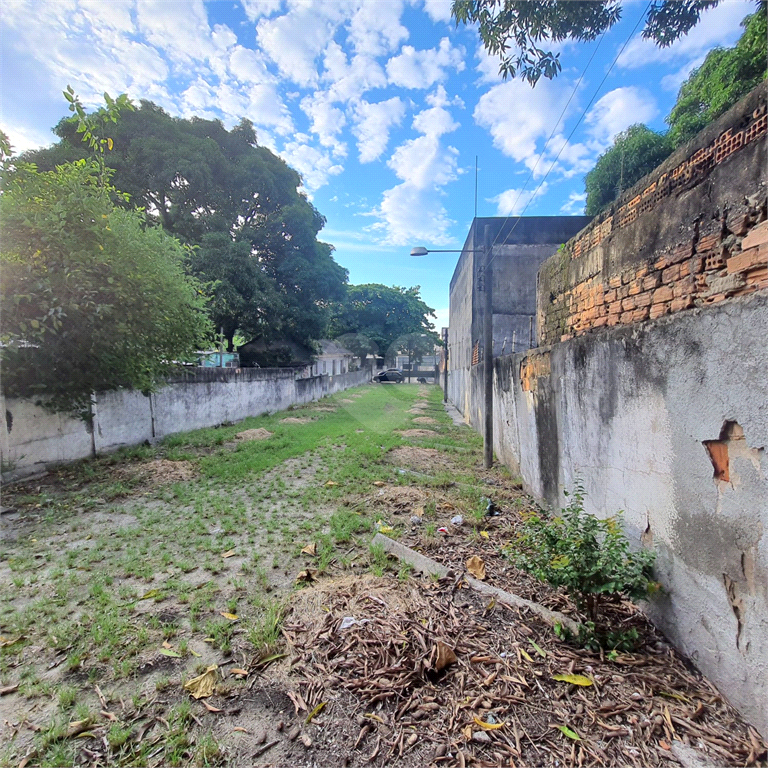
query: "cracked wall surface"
651, 387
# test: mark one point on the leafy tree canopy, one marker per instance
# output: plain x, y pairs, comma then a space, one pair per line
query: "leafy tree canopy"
635, 152
255, 234
92, 298
727, 75
376, 319
516, 30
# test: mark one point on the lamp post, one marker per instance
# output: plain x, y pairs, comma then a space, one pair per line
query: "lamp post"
487, 288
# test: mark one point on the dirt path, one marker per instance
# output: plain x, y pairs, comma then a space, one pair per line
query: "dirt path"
241, 554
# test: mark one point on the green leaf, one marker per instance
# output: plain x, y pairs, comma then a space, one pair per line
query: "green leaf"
568, 732
168, 652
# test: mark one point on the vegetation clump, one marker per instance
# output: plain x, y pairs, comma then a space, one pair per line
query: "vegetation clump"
590, 557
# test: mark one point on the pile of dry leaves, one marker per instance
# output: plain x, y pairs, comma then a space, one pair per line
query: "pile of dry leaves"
437, 675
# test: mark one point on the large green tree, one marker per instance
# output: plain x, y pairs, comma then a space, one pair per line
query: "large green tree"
377, 319
519, 31
635, 152
92, 298
726, 75
238, 204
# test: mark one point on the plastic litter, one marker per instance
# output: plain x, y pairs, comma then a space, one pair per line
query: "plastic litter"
350, 621
457, 520
442, 530
383, 527
416, 520
491, 510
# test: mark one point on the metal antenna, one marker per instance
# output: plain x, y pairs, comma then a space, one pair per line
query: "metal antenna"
475, 186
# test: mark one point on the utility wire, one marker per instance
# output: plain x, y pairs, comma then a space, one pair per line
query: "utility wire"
578, 123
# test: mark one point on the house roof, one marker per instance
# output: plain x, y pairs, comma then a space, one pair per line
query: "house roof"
330, 348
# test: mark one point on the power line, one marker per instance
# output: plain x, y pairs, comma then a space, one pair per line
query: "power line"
578, 122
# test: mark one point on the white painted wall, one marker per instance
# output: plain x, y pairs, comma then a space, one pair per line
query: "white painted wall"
32, 438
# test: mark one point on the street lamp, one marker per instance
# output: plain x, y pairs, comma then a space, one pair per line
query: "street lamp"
487, 339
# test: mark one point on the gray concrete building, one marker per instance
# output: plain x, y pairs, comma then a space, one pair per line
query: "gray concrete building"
519, 245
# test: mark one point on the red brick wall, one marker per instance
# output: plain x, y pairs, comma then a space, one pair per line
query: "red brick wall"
691, 234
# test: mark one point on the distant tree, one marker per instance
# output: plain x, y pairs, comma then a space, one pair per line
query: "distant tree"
635, 152
92, 298
726, 75
382, 318
255, 233
515, 30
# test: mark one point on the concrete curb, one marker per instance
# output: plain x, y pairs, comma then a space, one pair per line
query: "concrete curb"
426, 565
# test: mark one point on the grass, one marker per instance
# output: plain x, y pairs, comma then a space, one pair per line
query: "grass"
106, 568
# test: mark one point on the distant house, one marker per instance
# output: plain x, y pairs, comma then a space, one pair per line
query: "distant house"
279, 353
215, 359
333, 359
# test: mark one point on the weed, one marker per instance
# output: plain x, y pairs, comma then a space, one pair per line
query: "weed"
377, 559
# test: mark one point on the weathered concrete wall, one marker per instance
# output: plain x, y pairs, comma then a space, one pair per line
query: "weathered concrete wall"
519, 246
33, 438
653, 391
631, 412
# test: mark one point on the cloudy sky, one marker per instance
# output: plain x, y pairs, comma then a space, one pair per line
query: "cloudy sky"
381, 105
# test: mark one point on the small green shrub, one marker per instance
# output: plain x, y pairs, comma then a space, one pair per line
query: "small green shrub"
588, 556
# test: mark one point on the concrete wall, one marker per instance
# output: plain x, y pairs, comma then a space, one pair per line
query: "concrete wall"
630, 413
519, 246
651, 388
33, 438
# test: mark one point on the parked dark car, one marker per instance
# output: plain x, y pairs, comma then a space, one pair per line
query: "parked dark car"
391, 374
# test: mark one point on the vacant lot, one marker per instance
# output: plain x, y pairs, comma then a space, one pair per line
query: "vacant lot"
241, 555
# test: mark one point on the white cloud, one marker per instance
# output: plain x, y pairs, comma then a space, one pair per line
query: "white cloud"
718, 26
349, 81
23, 138
327, 121
575, 204
619, 109
517, 116
409, 215
438, 10
372, 125
422, 69
255, 9
513, 202
315, 166
375, 29
249, 66
424, 163
295, 40
673, 81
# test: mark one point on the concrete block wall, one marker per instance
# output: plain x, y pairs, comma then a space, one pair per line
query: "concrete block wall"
33, 438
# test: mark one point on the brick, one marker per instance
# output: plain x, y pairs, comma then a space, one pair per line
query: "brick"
671, 274
639, 315
661, 263
685, 269
626, 278
739, 225
758, 278
628, 303
752, 258
663, 294
600, 322
652, 281
715, 298
708, 242
599, 299
613, 320
657, 310
757, 236
623, 292
626, 317
684, 302
684, 287
681, 253
614, 282
610, 296
641, 273
644, 299
614, 308
635, 287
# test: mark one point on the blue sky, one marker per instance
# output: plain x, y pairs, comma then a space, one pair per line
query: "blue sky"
382, 105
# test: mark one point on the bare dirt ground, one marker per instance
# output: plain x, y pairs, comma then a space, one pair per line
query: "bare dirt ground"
246, 560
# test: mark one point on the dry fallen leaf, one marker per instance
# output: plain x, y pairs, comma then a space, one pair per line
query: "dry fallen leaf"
330, 483
210, 707
419, 511
488, 726
166, 644
238, 671
485, 534
379, 483
230, 616
476, 566
203, 685
228, 553
466, 732
574, 679
445, 656
307, 576
239, 729
310, 549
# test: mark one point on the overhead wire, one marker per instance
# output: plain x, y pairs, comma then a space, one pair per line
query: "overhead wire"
570, 135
